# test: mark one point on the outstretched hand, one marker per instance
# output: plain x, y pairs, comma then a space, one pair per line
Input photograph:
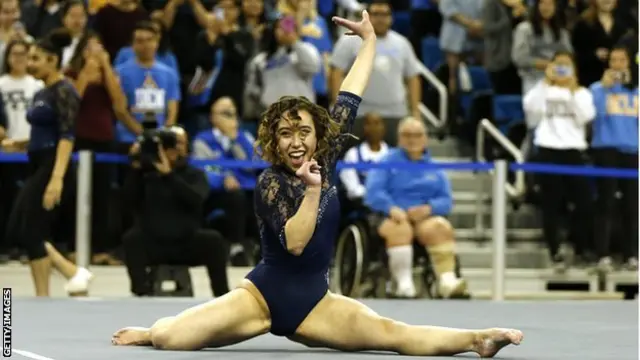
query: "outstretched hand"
363, 29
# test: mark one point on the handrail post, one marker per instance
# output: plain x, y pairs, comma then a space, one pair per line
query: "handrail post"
83, 209
479, 216
499, 220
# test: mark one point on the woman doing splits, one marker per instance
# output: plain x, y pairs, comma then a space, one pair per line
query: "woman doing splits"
42, 207
297, 210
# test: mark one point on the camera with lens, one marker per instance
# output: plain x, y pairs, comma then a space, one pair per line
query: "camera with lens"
151, 140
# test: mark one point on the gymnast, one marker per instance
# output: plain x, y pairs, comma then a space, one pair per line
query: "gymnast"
297, 210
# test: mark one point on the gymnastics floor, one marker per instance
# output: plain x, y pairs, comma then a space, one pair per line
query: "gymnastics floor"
68, 329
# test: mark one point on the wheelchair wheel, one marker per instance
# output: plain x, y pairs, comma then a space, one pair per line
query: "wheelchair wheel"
349, 261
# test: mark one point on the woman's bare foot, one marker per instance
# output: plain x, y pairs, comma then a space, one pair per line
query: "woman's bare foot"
491, 341
137, 336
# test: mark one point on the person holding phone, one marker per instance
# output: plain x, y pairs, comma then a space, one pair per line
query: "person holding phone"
615, 144
560, 110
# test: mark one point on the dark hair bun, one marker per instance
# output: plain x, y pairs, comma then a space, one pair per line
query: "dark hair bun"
60, 38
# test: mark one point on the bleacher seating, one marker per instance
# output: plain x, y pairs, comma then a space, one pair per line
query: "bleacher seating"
432, 55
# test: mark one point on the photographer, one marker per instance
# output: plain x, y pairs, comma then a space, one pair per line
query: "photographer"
166, 195
560, 110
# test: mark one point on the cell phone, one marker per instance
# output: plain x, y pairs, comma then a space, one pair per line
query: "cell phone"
562, 70
219, 13
288, 24
622, 76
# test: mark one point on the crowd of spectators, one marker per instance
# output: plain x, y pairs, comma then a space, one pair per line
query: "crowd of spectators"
213, 67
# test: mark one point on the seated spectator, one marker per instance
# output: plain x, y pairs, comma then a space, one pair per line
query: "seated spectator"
394, 89
152, 89
41, 17
499, 18
371, 150
615, 144
287, 67
560, 110
593, 36
536, 41
412, 204
461, 34
164, 54
167, 197
232, 189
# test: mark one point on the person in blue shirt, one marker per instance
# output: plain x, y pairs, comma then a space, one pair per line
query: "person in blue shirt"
45, 206
164, 54
297, 209
232, 188
414, 204
615, 144
149, 86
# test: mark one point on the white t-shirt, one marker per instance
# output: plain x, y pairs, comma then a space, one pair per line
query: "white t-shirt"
17, 94
349, 177
559, 115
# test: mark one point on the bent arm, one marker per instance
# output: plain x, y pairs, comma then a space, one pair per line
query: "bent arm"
442, 203
377, 198
358, 77
583, 106
67, 104
299, 229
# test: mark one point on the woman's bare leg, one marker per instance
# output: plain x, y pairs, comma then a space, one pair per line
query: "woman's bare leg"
346, 324
232, 318
66, 267
40, 271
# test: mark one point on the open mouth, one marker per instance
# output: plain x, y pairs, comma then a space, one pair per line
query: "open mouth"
297, 157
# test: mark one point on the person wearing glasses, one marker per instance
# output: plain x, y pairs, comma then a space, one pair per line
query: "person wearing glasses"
411, 205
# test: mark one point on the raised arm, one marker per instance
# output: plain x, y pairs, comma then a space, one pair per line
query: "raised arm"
358, 77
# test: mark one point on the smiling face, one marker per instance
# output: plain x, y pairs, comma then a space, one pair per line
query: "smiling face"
296, 138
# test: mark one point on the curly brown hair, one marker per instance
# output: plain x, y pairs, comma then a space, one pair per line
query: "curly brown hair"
266, 146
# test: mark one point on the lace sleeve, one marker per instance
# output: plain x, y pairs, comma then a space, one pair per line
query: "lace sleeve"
343, 112
275, 204
67, 104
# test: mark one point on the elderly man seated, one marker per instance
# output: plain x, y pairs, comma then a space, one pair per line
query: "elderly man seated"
413, 204
232, 189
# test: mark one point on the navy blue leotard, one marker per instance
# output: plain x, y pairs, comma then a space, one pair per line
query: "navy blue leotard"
293, 285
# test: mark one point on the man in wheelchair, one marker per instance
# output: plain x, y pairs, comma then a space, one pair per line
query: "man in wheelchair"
410, 205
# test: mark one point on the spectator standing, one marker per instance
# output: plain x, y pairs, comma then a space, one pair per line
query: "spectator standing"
562, 109
116, 22
536, 41
232, 190
593, 36
101, 97
394, 89
74, 19
18, 89
10, 26
42, 16
461, 35
164, 54
285, 68
224, 49
253, 19
615, 144
149, 86
313, 30
499, 18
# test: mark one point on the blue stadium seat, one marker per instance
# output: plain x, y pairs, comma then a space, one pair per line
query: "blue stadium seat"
432, 55
480, 84
507, 110
402, 22
215, 214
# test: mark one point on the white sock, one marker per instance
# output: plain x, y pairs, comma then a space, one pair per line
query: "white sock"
448, 277
401, 268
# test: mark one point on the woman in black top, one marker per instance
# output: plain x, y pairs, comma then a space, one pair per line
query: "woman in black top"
45, 203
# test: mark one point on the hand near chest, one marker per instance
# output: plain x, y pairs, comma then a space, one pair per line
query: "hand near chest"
91, 72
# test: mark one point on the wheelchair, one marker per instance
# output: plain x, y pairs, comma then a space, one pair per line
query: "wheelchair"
360, 269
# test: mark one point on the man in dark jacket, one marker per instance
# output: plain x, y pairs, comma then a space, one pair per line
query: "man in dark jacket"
166, 196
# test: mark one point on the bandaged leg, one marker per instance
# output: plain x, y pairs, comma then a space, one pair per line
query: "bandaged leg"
437, 235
